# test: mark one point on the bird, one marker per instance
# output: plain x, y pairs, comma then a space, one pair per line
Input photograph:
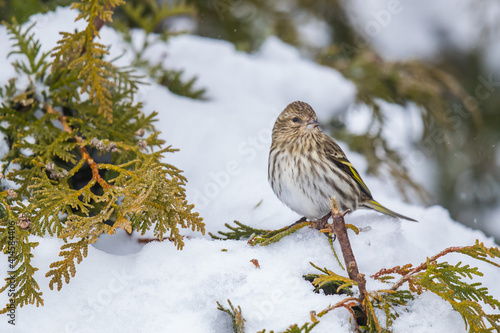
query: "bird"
306, 168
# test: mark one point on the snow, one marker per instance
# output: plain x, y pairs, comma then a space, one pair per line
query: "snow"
224, 141
406, 29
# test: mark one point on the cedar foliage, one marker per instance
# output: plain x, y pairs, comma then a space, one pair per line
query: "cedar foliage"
57, 137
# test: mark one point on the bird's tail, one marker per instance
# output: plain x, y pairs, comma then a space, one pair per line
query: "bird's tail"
372, 204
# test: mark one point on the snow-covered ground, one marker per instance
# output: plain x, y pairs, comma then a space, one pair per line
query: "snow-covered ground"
224, 142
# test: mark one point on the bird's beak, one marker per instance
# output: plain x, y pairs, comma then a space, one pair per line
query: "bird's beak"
311, 123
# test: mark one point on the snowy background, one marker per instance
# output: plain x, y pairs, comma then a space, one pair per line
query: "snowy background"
123, 286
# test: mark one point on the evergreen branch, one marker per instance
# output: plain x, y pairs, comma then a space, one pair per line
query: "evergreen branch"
388, 300
347, 303
79, 53
26, 44
19, 282
408, 272
305, 328
65, 268
94, 167
172, 79
331, 279
480, 252
148, 15
131, 190
276, 235
446, 281
236, 316
83, 151
240, 231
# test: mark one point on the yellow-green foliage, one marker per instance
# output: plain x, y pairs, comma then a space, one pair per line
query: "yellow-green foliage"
79, 52
257, 236
57, 138
236, 316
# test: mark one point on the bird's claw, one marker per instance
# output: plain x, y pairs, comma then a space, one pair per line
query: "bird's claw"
346, 212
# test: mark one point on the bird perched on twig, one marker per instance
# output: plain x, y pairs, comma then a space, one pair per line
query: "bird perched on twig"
307, 167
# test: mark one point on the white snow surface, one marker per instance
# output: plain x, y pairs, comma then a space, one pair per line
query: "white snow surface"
224, 141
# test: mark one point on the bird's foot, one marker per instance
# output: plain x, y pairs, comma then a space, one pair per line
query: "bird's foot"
321, 223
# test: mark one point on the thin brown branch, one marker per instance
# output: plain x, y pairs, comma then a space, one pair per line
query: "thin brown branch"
407, 272
98, 24
94, 166
348, 302
340, 230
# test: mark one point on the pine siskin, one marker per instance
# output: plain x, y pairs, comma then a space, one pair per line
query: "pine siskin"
307, 167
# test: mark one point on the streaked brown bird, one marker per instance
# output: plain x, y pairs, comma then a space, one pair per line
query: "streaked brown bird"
306, 168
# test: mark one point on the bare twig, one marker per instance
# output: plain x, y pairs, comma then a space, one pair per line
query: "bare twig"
347, 303
408, 272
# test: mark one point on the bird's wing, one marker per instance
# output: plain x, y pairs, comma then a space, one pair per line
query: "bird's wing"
337, 156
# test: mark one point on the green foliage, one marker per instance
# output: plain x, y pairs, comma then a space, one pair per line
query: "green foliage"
172, 79
258, 236
247, 23
82, 168
150, 17
276, 235
16, 243
240, 231
236, 316
306, 328
330, 282
22, 10
80, 53
387, 300
447, 281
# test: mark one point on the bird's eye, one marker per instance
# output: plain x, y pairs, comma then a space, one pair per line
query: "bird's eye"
295, 120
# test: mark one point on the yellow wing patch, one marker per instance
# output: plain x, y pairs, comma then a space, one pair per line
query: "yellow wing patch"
355, 175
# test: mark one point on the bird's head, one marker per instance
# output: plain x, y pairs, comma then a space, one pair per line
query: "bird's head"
297, 119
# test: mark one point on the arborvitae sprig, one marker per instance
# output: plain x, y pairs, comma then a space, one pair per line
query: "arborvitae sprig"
79, 175
24, 43
236, 316
150, 15
306, 328
258, 236
330, 280
447, 281
240, 231
15, 242
79, 52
